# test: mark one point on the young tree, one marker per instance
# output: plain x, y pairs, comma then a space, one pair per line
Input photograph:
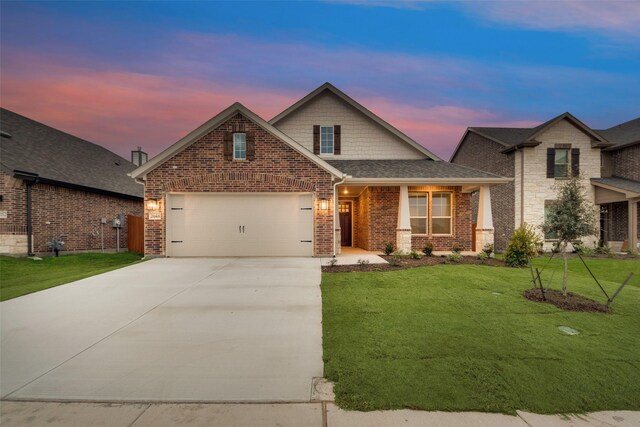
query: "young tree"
570, 217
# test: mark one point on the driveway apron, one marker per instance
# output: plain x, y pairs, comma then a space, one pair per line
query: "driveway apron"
195, 329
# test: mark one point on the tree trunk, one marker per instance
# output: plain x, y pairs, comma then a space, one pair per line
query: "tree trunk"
566, 265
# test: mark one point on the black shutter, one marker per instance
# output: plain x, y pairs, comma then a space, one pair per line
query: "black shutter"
575, 161
336, 139
251, 146
316, 139
228, 145
551, 162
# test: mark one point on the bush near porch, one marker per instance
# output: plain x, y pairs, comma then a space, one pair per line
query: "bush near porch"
463, 338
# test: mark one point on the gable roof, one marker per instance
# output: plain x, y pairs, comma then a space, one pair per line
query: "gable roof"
514, 138
359, 107
622, 135
217, 120
28, 147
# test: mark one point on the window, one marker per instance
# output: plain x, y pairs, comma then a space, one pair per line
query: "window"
239, 146
441, 213
561, 163
418, 213
549, 235
326, 139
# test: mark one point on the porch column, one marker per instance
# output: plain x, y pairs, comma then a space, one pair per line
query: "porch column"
484, 226
633, 224
336, 218
403, 232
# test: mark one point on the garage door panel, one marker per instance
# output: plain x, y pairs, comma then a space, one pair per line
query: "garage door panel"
240, 225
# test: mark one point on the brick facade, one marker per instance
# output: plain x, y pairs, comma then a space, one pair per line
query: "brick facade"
202, 168
484, 154
71, 214
626, 162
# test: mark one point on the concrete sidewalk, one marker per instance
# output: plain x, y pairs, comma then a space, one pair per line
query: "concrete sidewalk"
16, 413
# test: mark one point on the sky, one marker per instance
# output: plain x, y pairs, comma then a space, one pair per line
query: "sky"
128, 74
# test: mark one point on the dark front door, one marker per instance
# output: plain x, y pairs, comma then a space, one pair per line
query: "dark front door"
344, 208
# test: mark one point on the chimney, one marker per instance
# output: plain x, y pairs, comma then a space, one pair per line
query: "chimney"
139, 157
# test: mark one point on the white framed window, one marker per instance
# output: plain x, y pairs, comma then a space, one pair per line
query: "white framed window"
239, 146
561, 163
326, 139
441, 218
419, 213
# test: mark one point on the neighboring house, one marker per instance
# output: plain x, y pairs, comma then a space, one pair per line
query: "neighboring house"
323, 174
54, 185
608, 160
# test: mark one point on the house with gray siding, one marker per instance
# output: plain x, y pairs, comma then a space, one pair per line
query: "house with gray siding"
536, 158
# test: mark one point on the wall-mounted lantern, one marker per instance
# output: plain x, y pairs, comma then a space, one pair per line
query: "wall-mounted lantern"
153, 204
324, 204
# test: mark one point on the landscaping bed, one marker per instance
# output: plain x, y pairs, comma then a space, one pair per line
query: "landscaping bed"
570, 302
408, 262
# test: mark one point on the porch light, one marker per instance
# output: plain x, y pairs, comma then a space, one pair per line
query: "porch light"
153, 204
324, 204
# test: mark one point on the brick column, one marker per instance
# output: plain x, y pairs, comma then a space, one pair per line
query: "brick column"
403, 232
484, 226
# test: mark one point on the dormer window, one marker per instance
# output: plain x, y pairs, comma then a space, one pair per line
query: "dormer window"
326, 139
239, 146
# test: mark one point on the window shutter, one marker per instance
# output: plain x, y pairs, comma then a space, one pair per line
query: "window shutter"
251, 146
336, 139
551, 162
316, 139
575, 161
228, 145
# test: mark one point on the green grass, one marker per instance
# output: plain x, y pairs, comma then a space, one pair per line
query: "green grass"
21, 276
437, 338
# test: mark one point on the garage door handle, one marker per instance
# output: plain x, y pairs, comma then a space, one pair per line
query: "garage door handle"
243, 228
239, 229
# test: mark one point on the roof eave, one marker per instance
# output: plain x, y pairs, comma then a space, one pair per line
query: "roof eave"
629, 194
521, 145
614, 147
423, 181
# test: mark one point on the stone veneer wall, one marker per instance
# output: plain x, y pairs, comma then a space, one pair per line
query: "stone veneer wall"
277, 168
484, 154
71, 214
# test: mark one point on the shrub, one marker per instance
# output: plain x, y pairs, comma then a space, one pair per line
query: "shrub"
414, 254
632, 252
454, 258
388, 248
488, 249
522, 246
603, 250
483, 256
395, 259
332, 262
428, 249
363, 262
456, 249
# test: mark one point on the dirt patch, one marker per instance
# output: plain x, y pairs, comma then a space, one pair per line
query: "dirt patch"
408, 262
570, 302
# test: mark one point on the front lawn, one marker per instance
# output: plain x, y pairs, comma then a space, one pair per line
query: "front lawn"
462, 338
21, 276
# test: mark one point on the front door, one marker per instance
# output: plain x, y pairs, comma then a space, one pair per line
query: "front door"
344, 208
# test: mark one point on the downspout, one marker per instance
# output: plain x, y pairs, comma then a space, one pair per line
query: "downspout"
335, 203
29, 179
521, 186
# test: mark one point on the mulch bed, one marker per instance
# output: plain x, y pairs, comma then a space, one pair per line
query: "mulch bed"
571, 302
409, 263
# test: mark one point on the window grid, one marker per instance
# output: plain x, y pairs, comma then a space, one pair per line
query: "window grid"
561, 163
418, 213
441, 213
326, 139
239, 146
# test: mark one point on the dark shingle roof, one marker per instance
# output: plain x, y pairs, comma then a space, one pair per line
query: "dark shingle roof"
509, 136
621, 183
407, 169
57, 156
622, 134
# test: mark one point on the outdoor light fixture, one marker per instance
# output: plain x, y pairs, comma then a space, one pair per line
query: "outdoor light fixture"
152, 204
324, 204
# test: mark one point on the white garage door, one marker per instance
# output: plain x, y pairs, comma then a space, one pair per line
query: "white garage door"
232, 224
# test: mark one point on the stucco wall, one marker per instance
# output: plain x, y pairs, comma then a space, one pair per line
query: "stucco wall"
361, 137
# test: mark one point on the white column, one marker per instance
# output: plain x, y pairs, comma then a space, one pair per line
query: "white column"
403, 232
336, 218
484, 226
633, 225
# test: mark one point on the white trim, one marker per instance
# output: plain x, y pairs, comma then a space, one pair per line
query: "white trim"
450, 216
427, 181
234, 146
352, 221
346, 98
424, 194
333, 140
211, 124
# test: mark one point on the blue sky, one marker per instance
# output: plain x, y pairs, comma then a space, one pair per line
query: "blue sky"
146, 73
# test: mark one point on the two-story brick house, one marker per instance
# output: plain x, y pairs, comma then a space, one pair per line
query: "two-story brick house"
536, 158
323, 174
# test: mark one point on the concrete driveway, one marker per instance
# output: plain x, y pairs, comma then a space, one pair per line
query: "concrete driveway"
196, 329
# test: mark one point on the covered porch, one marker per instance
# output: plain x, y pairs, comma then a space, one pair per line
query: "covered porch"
619, 223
